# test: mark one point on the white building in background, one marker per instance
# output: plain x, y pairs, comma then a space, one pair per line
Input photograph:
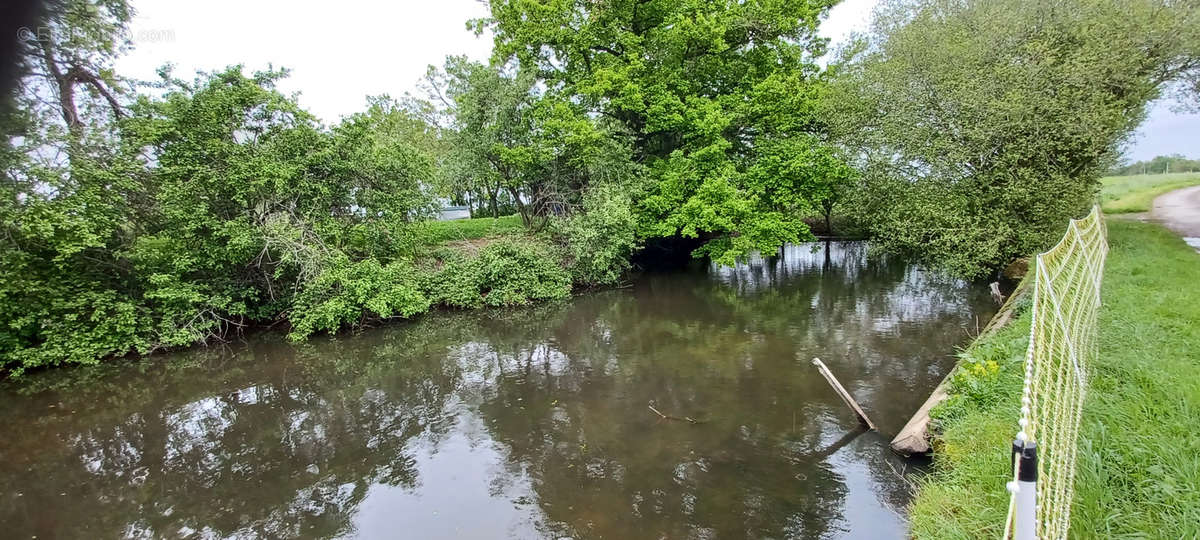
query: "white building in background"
454, 212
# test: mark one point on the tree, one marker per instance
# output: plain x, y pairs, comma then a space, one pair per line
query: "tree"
66, 64
211, 207
70, 200
981, 127
385, 160
491, 148
511, 137
683, 81
802, 172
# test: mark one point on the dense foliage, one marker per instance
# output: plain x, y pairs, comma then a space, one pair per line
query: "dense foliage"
982, 126
961, 131
696, 88
220, 204
508, 137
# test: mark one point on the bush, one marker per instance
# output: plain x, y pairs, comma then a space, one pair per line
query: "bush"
80, 328
346, 293
509, 272
599, 241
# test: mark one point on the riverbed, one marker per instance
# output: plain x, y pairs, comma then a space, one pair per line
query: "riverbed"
534, 422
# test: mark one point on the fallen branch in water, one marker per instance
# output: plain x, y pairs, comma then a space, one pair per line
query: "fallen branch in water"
669, 417
841, 392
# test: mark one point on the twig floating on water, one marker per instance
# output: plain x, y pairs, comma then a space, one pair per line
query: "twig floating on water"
669, 417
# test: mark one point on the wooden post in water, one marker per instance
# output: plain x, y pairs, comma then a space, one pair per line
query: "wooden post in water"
837, 387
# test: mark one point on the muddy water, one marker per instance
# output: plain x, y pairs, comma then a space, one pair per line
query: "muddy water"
525, 423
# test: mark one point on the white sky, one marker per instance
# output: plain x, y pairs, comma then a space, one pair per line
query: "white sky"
340, 52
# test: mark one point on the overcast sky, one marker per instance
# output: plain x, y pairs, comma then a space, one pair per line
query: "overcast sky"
340, 52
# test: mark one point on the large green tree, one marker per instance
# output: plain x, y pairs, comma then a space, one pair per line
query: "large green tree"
982, 126
686, 83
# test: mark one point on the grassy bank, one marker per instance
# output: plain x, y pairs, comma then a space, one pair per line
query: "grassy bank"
1139, 462
437, 232
1126, 194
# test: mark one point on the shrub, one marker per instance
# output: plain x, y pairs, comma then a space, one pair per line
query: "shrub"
599, 241
346, 293
75, 328
509, 272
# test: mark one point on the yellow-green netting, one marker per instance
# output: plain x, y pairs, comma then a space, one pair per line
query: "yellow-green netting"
1062, 347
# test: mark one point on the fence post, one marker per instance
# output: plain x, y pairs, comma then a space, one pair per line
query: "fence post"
1025, 459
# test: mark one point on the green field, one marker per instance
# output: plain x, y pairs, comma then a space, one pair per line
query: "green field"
1125, 194
1139, 455
438, 232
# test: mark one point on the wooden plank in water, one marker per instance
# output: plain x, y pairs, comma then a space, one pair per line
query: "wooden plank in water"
841, 391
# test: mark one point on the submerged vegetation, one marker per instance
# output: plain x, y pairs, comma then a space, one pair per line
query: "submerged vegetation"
1137, 462
137, 217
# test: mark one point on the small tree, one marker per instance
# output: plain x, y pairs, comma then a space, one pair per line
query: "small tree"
511, 137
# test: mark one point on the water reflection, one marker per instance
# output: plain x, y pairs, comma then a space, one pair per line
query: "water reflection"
518, 423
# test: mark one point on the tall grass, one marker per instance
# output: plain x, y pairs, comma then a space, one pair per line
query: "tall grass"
1139, 463
1139, 468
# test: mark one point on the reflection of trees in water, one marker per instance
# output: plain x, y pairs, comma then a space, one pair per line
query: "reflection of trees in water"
281, 441
878, 322
268, 451
729, 353
609, 468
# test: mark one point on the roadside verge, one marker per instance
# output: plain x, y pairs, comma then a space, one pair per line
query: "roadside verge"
1139, 457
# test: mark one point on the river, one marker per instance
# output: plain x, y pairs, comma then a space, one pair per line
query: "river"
523, 423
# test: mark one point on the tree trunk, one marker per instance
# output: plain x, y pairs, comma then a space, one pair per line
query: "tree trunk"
827, 207
525, 217
66, 89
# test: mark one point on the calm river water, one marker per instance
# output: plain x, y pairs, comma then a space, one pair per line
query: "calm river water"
525, 423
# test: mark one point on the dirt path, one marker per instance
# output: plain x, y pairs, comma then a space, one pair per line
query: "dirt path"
1179, 211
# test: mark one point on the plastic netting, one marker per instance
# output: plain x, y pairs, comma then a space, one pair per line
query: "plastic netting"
1062, 347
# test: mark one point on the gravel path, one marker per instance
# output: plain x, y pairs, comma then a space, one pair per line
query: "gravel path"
1179, 211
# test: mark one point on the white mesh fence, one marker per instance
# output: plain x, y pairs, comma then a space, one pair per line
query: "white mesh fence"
1062, 346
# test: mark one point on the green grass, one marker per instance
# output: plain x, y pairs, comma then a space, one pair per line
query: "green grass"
1125, 194
438, 232
1138, 472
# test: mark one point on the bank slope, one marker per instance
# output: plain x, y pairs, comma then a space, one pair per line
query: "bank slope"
1139, 459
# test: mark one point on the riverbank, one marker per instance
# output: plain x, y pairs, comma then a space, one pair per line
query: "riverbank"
461, 264
1138, 470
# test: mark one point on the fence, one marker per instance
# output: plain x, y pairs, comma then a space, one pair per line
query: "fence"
1062, 345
